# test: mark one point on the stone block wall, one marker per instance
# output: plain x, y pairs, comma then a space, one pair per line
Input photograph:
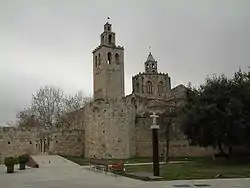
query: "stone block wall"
16, 141
182, 148
108, 128
143, 135
178, 144
68, 142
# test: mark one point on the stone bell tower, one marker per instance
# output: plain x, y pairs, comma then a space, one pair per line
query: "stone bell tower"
151, 83
108, 67
151, 65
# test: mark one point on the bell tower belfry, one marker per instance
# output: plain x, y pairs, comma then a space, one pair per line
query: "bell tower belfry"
108, 67
151, 83
151, 64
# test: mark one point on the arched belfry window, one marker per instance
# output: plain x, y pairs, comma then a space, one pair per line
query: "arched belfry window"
99, 59
102, 40
110, 38
137, 88
149, 87
160, 87
117, 58
96, 63
109, 58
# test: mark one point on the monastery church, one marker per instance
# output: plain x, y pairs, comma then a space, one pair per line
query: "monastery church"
112, 125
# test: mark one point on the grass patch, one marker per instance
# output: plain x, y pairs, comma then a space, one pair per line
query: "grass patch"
78, 160
140, 160
84, 161
192, 168
199, 168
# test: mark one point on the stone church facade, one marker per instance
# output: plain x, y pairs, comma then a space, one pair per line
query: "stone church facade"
112, 125
118, 126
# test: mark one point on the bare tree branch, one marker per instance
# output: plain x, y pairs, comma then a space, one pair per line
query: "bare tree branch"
48, 105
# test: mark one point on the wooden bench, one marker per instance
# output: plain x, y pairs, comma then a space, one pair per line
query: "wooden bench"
98, 164
117, 167
113, 167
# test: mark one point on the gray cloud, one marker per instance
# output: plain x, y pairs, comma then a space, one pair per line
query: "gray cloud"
50, 42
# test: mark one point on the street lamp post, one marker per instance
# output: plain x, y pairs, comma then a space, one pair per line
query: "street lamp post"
154, 128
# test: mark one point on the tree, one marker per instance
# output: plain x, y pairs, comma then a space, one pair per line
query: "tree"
48, 104
75, 102
27, 119
167, 119
217, 113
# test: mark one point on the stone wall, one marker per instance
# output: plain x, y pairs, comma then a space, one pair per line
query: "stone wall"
108, 126
179, 147
182, 148
16, 141
143, 134
139, 85
68, 142
103, 129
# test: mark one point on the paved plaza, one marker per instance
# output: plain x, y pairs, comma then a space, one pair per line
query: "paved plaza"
57, 172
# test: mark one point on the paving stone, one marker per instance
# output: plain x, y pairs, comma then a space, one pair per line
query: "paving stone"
64, 174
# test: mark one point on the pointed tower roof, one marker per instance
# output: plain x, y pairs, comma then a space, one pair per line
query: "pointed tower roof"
151, 64
150, 58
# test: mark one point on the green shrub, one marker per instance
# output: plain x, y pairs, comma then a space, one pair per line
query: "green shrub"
23, 158
10, 161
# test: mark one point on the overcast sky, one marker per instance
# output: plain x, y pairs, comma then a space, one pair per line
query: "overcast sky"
51, 42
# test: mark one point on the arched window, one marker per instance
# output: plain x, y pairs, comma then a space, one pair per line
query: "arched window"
108, 28
149, 87
96, 61
99, 59
110, 38
102, 39
117, 58
109, 58
160, 87
137, 88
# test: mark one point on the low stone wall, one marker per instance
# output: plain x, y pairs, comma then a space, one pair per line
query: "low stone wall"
179, 147
176, 149
182, 148
16, 141
144, 149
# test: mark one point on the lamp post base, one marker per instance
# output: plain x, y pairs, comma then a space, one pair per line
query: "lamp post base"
156, 165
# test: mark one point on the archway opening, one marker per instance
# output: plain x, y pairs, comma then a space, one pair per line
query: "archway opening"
109, 57
117, 58
110, 38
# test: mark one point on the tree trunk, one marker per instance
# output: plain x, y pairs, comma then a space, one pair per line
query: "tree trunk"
220, 148
167, 151
230, 150
222, 152
168, 143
